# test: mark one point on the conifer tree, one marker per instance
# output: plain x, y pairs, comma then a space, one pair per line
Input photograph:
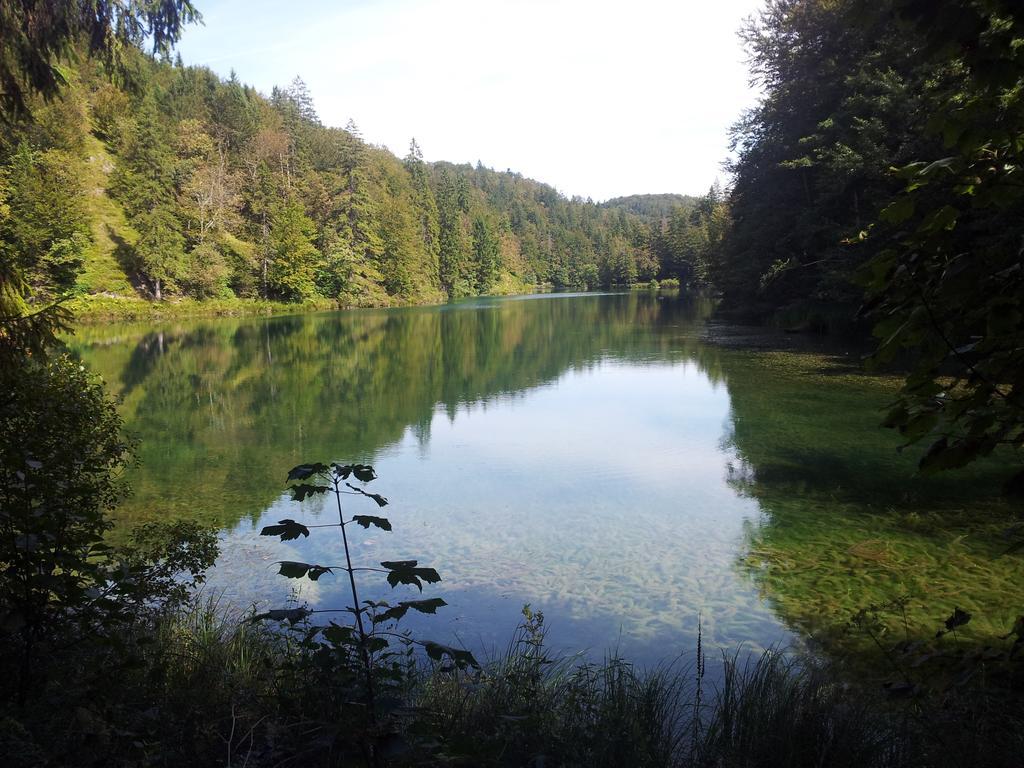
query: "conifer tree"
427, 212
293, 259
486, 256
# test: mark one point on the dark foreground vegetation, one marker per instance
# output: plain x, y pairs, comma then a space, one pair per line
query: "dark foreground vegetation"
213, 190
206, 687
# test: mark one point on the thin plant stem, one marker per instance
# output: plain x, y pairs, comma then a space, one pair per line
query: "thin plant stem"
359, 616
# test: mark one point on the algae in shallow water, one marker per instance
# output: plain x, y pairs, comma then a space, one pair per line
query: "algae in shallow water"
590, 455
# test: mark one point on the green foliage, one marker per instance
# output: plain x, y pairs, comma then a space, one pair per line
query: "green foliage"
857, 107
293, 257
845, 98
60, 456
44, 231
225, 193
38, 32
687, 240
486, 256
948, 279
160, 249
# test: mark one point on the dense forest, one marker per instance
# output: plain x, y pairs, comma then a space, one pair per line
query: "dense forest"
160, 180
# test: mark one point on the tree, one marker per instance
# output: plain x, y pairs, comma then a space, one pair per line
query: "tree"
486, 256
453, 245
160, 249
299, 95
36, 33
358, 209
44, 230
948, 282
844, 98
426, 205
293, 257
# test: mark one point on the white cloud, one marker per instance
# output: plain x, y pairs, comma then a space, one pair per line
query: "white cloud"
597, 98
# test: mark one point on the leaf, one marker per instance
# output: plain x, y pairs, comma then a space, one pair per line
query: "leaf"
437, 651
909, 171
295, 570
945, 164
363, 472
392, 564
305, 471
398, 611
425, 606
381, 501
957, 619
406, 572
367, 520
943, 219
287, 529
292, 615
898, 211
303, 491
338, 635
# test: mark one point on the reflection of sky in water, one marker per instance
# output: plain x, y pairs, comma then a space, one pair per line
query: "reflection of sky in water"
599, 498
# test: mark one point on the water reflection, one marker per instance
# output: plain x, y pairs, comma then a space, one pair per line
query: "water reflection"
588, 455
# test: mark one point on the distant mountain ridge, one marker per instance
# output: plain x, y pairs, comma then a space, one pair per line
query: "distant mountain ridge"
653, 206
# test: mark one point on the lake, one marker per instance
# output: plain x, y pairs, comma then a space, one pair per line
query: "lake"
610, 459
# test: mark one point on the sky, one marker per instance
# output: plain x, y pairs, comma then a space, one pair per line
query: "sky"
599, 99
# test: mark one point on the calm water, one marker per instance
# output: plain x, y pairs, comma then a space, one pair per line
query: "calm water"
589, 455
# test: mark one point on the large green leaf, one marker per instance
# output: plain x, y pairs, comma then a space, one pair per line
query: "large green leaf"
898, 211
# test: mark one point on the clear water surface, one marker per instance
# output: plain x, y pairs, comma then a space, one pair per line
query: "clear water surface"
591, 455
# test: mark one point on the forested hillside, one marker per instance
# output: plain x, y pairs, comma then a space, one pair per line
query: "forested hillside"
166, 180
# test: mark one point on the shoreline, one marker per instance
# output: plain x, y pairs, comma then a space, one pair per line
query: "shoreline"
95, 310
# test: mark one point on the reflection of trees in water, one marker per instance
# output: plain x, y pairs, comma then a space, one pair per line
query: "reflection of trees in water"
213, 400
846, 522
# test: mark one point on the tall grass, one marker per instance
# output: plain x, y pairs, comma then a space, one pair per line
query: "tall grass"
772, 710
529, 708
213, 688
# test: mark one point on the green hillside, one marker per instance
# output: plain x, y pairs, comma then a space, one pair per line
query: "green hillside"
172, 183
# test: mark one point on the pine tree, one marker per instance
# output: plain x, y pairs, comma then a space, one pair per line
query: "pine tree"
453, 250
486, 256
427, 213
